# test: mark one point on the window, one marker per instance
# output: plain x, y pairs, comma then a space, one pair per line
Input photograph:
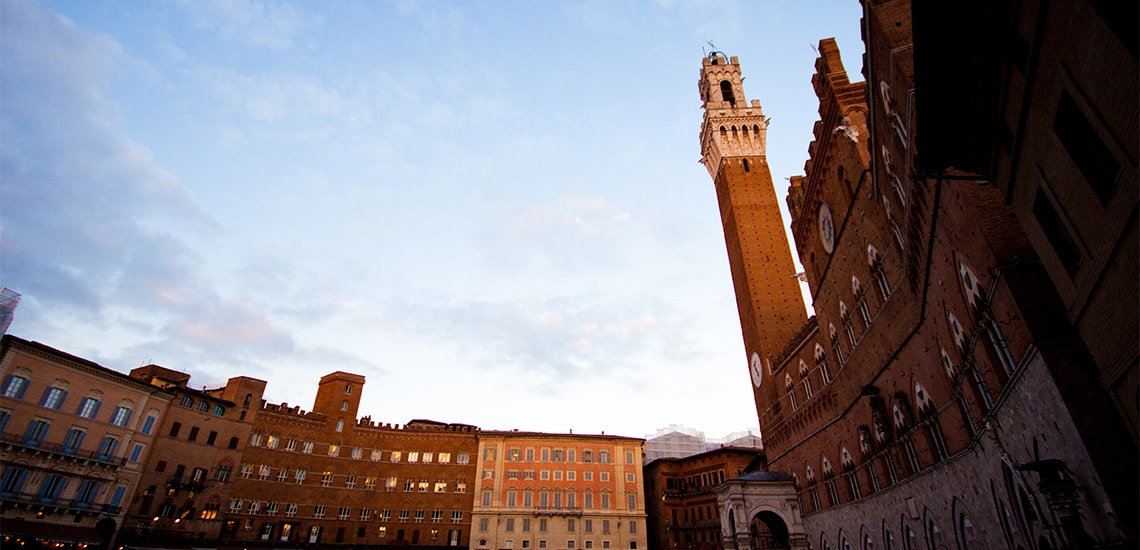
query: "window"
14, 387
136, 452
629, 457
510, 525
73, 441
587, 456
423, 486
37, 430
460, 486
13, 480
350, 482
263, 471
526, 525
343, 513
463, 458
382, 532
588, 526
334, 450
489, 454
395, 456
426, 457
633, 527
223, 474
390, 483
121, 416
344, 405
631, 501
483, 524
440, 487
1056, 232
319, 511
588, 476
218, 411
385, 514
193, 434
457, 516
51, 488
419, 515
348, 389
307, 447
148, 424
630, 477
271, 443
444, 458
588, 501
486, 498
203, 406
571, 475
175, 428
211, 438
1094, 159
365, 514
88, 407
186, 401
326, 479
290, 510
299, 476
605, 476
233, 442
282, 475
339, 425
603, 457
414, 456
53, 398
436, 516
357, 453
605, 501
605, 526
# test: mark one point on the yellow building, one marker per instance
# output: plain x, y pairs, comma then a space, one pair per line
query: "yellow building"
558, 492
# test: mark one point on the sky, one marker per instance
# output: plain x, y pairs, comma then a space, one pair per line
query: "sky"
493, 210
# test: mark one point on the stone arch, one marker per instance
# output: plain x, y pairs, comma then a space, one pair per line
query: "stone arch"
768, 529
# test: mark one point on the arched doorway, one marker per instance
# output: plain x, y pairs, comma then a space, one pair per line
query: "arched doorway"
769, 532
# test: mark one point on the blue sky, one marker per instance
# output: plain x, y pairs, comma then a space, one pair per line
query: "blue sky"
493, 210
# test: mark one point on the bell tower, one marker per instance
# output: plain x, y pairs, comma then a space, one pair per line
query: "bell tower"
733, 143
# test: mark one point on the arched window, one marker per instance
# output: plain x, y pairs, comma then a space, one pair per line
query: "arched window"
788, 385
972, 288
821, 362
805, 380
726, 92
834, 334
956, 331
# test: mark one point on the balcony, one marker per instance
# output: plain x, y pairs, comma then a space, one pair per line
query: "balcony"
19, 444
557, 511
37, 502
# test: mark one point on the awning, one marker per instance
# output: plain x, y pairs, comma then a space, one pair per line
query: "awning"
49, 532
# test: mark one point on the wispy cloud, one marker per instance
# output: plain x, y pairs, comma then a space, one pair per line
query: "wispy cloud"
259, 23
588, 216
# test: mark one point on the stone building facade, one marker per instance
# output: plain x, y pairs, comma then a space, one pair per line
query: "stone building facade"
559, 492
188, 475
681, 500
74, 437
928, 401
326, 477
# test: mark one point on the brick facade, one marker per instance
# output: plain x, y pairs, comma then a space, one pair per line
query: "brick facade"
681, 502
74, 437
559, 492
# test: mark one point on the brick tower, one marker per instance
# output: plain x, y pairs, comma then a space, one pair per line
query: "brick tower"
768, 296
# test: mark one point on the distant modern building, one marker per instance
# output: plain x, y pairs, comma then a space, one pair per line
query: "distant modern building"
188, 476
681, 499
677, 441
674, 441
946, 391
327, 477
559, 492
74, 437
